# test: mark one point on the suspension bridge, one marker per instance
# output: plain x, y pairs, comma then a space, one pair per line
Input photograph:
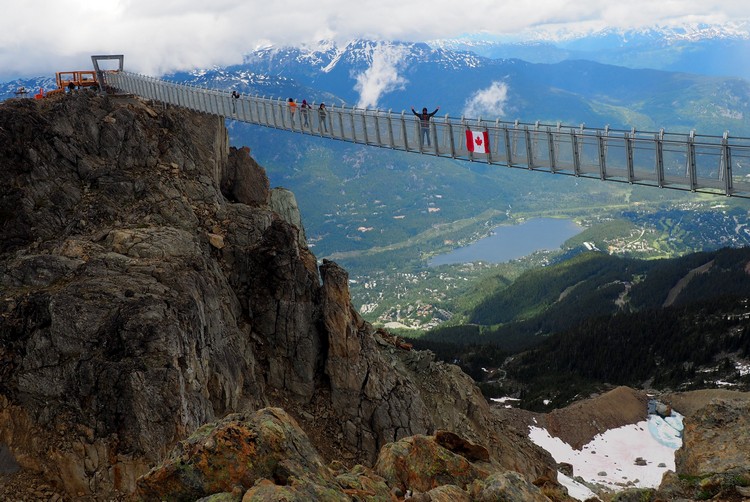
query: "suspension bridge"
682, 161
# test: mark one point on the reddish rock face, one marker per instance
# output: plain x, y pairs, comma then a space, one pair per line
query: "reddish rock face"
237, 451
420, 463
457, 444
716, 439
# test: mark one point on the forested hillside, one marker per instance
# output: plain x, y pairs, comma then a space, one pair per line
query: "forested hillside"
599, 319
684, 347
589, 280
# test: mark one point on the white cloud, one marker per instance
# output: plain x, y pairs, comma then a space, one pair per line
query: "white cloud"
44, 36
487, 103
381, 77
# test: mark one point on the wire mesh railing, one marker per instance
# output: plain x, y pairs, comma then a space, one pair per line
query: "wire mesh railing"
683, 161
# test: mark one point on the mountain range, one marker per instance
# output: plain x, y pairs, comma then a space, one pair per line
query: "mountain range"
397, 76
702, 49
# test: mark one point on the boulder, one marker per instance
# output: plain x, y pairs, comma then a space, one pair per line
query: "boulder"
716, 439
447, 493
284, 203
455, 443
507, 485
241, 450
419, 463
243, 180
363, 483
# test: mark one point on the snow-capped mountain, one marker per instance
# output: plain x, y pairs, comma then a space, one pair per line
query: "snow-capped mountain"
327, 56
360, 73
398, 75
674, 34
360, 67
30, 86
699, 48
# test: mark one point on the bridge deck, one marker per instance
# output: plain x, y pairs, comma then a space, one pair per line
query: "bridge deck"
699, 163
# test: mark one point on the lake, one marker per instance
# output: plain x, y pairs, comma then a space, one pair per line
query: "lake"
508, 242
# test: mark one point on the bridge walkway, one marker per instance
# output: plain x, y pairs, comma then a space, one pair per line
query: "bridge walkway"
682, 161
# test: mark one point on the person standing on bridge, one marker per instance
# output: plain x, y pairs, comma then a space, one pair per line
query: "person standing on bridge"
424, 119
303, 110
322, 116
292, 109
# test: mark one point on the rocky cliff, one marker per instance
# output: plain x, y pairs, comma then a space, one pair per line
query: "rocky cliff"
152, 282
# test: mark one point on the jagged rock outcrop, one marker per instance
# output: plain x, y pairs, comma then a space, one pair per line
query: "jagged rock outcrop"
153, 283
386, 393
243, 180
118, 325
713, 462
379, 405
716, 439
285, 205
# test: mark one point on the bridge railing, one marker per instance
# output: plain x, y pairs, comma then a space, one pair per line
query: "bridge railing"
684, 161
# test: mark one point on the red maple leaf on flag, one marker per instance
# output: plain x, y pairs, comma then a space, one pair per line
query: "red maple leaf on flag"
478, 140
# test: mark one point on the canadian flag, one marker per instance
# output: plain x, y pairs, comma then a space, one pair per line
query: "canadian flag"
477, 141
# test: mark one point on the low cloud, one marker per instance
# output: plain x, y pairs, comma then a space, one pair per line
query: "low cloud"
381, 77
190, 34
487, 103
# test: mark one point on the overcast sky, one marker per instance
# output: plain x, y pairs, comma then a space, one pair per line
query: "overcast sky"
39, 37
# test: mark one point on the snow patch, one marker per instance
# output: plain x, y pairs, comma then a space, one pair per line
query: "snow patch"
610, 458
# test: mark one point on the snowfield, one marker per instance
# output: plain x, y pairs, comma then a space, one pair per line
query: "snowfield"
635, 455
